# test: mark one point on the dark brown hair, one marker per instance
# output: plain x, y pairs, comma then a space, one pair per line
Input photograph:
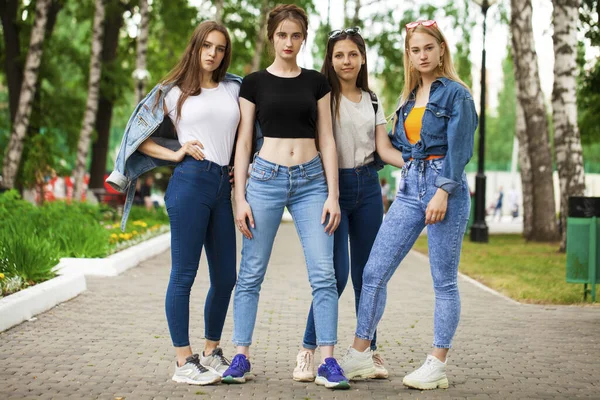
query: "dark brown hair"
187, 74
283, 12
362, 80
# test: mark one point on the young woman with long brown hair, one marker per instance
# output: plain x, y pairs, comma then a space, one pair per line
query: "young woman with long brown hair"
360, 134
201, 100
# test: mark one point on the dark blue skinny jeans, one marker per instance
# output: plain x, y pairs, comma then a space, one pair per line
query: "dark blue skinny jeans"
198, 202
362, 211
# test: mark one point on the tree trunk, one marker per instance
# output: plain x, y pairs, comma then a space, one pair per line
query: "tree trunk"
110, 44
28, 87
141, 73
13, 65
91, 107
567, 141
525, 168
543, 222
262, 36
346, 19
356, 19
219, 12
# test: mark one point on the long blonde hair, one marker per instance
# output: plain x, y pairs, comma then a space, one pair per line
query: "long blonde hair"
412, 77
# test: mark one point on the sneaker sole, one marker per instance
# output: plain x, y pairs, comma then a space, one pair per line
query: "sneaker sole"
442, 384
343, 385
193, 382
379, 375
303, 379
360, 374
231, 380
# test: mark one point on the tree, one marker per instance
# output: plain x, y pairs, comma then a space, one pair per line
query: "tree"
13, 65
28, 87
262, 36
567, 142
141, 73
219, 4
543, 221
92, 100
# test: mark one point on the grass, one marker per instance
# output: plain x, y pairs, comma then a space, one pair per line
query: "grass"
527, 272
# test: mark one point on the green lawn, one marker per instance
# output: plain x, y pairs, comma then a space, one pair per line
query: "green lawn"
526, 272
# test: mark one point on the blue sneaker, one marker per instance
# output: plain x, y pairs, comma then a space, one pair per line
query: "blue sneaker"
331, 375
237, 371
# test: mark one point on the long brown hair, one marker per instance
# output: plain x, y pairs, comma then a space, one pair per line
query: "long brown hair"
362, 80
283, 12
412, 77
187, 74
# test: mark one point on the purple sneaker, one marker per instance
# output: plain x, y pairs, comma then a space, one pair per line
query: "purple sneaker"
238, 370
331, 375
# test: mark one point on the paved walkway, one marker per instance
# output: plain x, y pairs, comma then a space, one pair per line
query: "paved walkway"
112, 341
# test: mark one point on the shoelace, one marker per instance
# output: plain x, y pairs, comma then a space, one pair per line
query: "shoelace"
304, 361
219, 354
333, 367
195, 361
378, 360
238, 363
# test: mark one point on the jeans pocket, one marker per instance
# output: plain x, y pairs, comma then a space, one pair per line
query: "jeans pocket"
262, 174
312, 175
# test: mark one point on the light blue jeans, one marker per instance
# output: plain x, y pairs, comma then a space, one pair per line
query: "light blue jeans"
303, 190
402, 225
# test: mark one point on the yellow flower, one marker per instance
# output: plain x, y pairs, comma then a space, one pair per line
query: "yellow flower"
134, 232
114, 236
1, 275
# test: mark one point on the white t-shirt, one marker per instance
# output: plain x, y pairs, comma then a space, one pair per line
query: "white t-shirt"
211, 118
354, 131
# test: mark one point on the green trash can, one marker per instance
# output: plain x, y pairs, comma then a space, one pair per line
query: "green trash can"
583, 241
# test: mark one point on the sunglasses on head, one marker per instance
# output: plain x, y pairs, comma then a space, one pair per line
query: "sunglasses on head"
427, 24
355, 30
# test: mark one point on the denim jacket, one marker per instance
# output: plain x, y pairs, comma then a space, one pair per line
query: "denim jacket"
146, 121
448, 129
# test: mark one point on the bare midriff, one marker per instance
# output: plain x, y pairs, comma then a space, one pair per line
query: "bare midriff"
288, 152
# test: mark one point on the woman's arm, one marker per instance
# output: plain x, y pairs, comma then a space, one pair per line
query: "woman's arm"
388, 153
155, 150
243, 213
330, 164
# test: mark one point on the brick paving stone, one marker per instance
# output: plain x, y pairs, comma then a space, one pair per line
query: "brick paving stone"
112, 341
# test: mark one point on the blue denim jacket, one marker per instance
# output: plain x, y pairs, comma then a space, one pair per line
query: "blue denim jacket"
143, 123
448, 129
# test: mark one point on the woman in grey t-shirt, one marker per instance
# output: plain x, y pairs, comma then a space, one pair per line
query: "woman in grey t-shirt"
359, 128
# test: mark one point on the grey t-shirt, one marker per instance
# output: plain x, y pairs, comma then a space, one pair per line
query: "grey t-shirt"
354, 131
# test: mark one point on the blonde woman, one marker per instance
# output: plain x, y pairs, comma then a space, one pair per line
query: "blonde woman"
434, 128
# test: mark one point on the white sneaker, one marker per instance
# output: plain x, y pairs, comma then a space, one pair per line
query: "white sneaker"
380, 371
215, 361
357, 365
194, 373
431, 375
305, 367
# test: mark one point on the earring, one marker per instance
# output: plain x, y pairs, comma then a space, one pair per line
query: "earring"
441, 64
410, 67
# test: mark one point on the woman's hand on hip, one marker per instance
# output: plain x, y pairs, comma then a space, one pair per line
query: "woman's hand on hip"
331, 207
243, 216
191, 148
436, 209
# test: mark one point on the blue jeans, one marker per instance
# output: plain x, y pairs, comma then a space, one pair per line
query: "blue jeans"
402, 225
198, 201
362, 212
303, 190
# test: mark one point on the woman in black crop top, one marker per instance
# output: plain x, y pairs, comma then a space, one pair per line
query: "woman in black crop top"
291, 105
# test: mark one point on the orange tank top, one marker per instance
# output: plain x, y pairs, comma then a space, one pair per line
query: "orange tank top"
412, 127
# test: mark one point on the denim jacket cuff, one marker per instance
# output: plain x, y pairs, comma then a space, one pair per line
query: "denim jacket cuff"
118, 181
446, 184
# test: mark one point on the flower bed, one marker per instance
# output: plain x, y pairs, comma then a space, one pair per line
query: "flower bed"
34, 239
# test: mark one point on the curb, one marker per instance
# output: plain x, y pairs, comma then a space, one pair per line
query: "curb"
23, 305
116, 263
472, 281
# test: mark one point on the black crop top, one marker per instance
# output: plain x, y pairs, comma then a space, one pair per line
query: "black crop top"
286, 107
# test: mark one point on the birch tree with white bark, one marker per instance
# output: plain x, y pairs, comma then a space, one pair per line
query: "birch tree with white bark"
89, 117
14, 151
567, 140
141, 72
543, 222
